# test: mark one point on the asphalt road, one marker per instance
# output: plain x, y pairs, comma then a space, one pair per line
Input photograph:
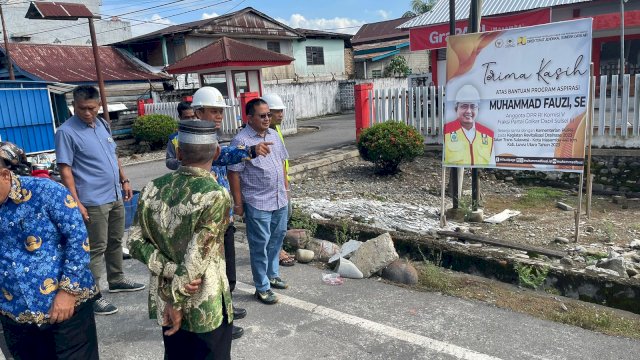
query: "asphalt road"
334, 131
361, 319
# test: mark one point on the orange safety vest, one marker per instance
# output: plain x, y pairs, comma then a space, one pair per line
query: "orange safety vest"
459, 151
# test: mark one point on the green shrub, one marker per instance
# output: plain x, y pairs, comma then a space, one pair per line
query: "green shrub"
154, 128
389, 144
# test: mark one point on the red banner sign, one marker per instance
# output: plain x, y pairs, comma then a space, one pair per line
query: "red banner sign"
435, 37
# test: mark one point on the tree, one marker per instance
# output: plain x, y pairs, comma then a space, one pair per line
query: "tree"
398, 65
419, 7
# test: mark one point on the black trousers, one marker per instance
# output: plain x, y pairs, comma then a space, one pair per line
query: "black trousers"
230, 255
186, 345
73, 339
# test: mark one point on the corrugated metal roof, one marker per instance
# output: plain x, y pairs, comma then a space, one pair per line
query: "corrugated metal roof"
57, 11
379, 31
440, 12
225, 52
74, 64
310, 33
246, 22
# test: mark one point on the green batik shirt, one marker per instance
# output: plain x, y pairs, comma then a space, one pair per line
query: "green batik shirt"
179, 233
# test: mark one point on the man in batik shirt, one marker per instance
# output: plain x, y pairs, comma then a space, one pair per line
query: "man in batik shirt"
179, 232
47, 288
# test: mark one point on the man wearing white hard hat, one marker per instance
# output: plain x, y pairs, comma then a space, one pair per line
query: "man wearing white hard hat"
467, 142
209, 105
277, 108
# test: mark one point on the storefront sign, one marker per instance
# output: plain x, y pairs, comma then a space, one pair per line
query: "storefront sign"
435, 37
518, 99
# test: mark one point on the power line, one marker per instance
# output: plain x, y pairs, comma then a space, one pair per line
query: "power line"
154, 22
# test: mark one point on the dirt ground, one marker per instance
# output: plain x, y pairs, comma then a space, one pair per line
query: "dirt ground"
611, 226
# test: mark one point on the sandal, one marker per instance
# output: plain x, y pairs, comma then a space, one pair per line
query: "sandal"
286, 259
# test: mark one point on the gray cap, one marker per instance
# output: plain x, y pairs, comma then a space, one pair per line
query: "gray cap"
197, 132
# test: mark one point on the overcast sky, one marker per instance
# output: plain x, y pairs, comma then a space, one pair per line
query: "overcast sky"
331, 15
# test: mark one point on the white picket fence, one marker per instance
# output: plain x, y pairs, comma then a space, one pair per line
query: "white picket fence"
421, 107
616, 114
233, 115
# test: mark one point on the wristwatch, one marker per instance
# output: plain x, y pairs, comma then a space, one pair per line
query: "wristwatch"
122, 182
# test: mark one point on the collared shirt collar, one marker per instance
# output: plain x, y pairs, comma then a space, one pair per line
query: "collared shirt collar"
193, 171
253, 132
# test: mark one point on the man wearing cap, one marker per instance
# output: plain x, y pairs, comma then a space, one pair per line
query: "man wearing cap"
179, 231
277, 108
91, 170
466, 142
47, 290
209, 106
259, 188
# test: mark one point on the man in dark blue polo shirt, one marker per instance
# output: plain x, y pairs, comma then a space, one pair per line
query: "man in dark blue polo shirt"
90, 169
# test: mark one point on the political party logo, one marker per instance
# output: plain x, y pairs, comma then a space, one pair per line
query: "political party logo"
499, 43
522, 40
510, 43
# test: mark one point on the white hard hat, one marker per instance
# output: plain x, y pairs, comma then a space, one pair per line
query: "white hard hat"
208, 96
468, 94
274, 101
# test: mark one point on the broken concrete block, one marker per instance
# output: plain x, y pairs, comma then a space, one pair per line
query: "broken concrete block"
614, 264
561, 240
631, 269
617, 199
348, 270
374, 255
562, 206
501, 217
323, 249
297, 238
635, 244
594, 270
304, 256
402, 272
346, 250
476, 216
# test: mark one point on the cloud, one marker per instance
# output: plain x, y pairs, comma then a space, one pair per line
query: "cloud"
209, 16
336, 24
383, 14
158, 22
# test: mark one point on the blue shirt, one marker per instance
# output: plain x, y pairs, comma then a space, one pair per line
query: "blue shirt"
44, 248
262, 179
91, 153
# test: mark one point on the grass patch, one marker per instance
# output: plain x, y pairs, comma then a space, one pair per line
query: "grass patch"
540, 196
534, 303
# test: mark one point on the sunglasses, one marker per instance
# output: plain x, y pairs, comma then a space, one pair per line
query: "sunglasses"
264, 116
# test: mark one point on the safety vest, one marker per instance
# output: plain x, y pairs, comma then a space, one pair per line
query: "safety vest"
459, 151
286, 162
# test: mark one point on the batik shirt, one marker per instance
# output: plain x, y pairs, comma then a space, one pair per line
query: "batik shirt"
179, 233
43, 249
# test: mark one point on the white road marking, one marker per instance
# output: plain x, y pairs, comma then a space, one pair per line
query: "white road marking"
371, 326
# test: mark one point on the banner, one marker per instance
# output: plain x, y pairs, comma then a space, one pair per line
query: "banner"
435, 36
518, 99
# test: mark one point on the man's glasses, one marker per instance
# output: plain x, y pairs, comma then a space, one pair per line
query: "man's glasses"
264, 116
468, 106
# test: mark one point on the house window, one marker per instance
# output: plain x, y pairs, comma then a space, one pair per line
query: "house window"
273, 46
218, 81
315, 55
376, 73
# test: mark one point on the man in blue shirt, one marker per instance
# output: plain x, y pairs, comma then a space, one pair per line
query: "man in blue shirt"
46, 286
90, 169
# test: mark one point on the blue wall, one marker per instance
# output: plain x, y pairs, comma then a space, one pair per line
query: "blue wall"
26, 119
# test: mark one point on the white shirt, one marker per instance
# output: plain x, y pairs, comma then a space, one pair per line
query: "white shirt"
471, 133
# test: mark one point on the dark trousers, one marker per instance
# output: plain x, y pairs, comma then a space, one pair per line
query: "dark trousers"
73, 339
230, 255
186, 345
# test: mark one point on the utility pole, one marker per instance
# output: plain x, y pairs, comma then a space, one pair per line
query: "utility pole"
96, 56
6, 46
475, 12
453, 172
